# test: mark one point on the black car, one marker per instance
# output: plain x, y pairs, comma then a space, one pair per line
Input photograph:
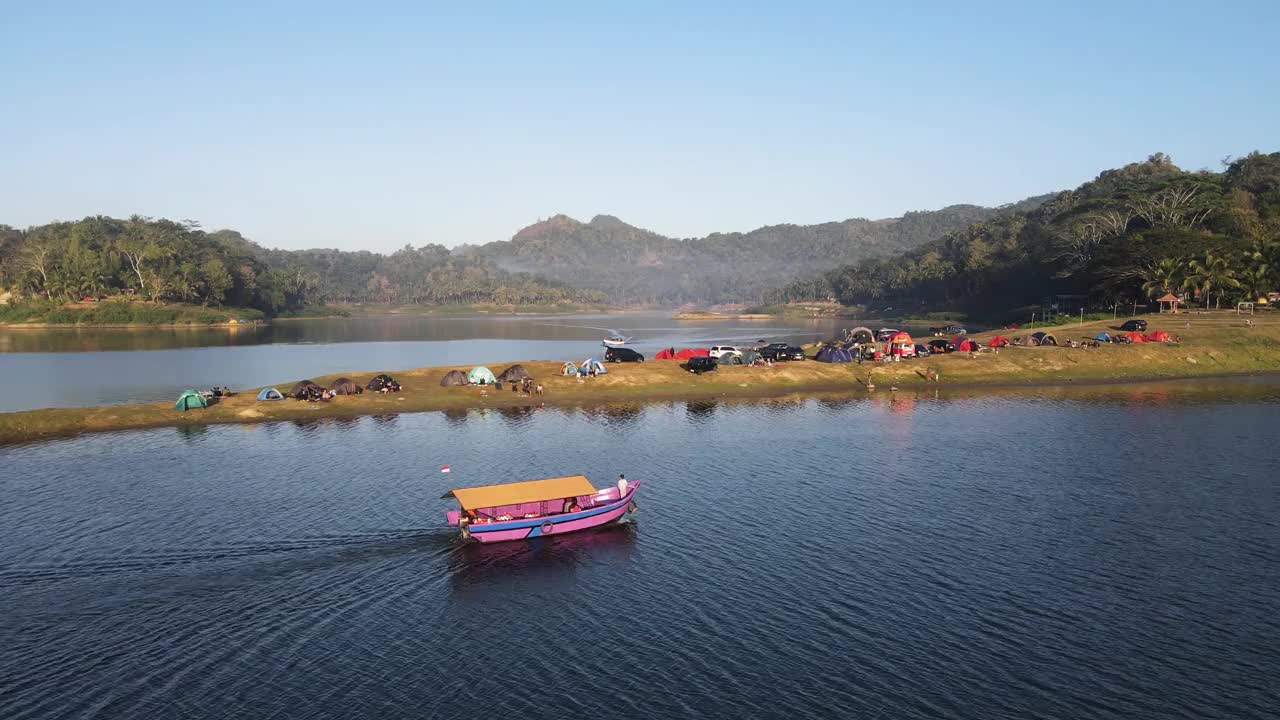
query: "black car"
699, 365
780, 351
622, 355
1134, 326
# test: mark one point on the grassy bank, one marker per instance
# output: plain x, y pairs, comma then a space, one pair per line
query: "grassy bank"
1211, 346
110, 313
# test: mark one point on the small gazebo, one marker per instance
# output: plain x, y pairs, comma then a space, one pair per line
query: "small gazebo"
1169, 303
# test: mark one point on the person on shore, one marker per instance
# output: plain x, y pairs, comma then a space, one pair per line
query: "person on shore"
539, 388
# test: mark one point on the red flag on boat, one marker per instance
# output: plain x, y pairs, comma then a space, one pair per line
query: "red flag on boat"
444, 468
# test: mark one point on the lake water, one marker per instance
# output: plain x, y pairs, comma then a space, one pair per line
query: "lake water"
90, 366
1011, 556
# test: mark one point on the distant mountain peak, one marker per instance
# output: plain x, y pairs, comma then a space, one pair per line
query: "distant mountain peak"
602, 221
555, 224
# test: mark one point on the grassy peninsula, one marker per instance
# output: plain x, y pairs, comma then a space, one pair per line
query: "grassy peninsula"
1211, 345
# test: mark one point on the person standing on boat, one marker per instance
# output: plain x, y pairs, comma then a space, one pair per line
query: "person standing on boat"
622, 486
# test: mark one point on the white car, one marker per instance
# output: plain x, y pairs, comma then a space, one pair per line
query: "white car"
718, 350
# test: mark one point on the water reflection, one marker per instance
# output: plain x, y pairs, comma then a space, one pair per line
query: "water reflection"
476, 569
701, 409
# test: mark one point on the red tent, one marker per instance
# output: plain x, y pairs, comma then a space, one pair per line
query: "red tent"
686, 353
665, 354
701, 352
1157, 336
1135, 337
999, 341
966, 345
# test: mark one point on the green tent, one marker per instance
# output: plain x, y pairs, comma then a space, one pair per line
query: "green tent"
189, 399
750, 356
481, 375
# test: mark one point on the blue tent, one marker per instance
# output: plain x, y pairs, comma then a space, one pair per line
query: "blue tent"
270, 394
833, 354
1102, 337
592, 364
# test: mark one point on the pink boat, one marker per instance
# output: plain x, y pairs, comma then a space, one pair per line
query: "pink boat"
555, 506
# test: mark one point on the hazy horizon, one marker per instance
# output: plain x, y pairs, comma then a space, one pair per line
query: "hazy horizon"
324, 126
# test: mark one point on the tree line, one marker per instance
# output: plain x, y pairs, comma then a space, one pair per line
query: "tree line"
165, 261
1130, 235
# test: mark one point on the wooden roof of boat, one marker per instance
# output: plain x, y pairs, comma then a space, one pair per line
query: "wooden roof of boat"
515, 493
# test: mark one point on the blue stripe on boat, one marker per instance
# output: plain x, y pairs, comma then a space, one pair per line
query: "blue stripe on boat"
536, 523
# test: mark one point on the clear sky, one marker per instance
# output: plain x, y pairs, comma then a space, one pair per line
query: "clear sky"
367, 125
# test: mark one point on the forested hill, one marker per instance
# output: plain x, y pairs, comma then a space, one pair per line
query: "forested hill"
637, 266
168, 261
1129, 235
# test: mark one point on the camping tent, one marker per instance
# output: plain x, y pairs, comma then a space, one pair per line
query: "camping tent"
1135, 337
383, 381
730, 358
901, 344
592, 364
306, 390
515, 373
965, 345
1102, 337
453, 378
346, 386
861, 335
569, 369
750, 356
270, 394
666, 354
833, 354
999, 341
1157, 336
684, 354
481, 375
942, 346
1043, 338
189, 399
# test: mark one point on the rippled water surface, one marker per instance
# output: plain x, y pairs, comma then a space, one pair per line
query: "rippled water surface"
1006, 557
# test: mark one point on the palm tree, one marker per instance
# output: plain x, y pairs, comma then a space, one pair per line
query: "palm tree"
1210, 274
1163, 277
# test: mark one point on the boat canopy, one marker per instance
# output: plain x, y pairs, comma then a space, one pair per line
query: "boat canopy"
488, 496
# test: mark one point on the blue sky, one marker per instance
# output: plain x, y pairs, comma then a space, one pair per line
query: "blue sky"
360, 126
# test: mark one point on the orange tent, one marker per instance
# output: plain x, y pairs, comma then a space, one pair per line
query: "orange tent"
999, 341
1135, 337
901, 344
1157, 336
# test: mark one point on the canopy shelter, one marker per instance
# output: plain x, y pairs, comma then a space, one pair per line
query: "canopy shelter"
269, 394
666, 354
453, 378
1168, 303
488, 496
346, 386
481, 375
592, 364
1158, 336
833, 354
306, 390
861, 335
999, 341
190, 399
569, 369
515, 373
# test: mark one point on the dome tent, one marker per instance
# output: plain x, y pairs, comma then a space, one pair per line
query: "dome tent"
750, 356
833, 354
861, 335
453, 378
190, 399
383, 381
964, 344
730, 358
514, 373
306, 390
569, 369
1044, 338
1102, 337
998, 341
345, 386
1158, 336
665, 354
592, 364
481, 375
270, 394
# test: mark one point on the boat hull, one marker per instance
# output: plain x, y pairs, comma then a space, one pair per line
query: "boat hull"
552, 525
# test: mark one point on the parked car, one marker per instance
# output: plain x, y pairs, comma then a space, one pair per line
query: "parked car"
699, 365
922, 350
780, 351
948, 330
1134, 326
718, 350
883, 334
622, 355
941, 346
